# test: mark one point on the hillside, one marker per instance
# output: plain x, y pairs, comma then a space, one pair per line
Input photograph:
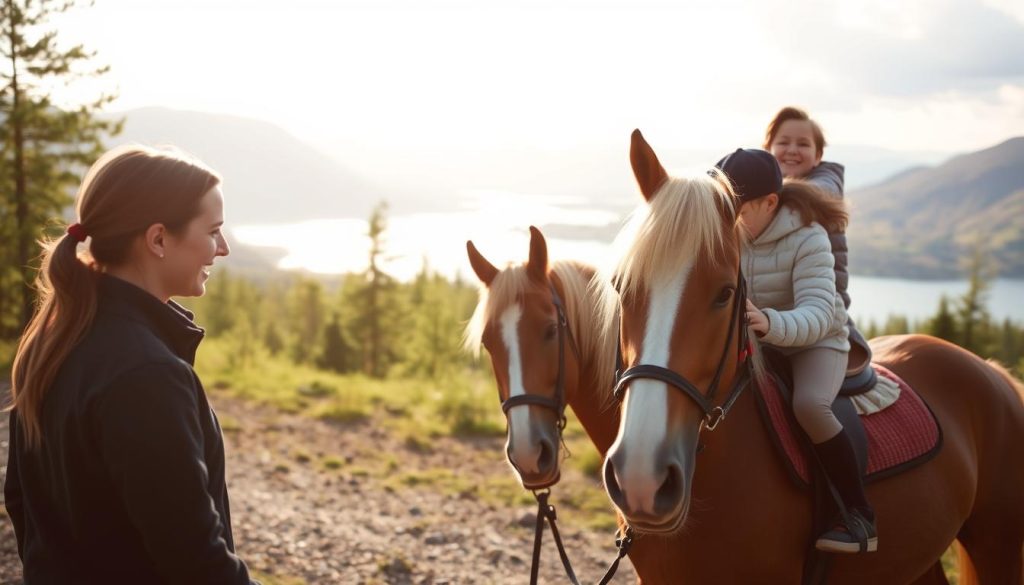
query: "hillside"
921, 222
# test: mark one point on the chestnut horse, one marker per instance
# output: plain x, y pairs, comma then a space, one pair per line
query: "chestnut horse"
521, 326
730, 514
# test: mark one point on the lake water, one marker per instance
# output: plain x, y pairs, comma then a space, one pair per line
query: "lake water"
877, 298
497, 222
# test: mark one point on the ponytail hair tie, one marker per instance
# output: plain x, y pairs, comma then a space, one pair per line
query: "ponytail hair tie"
77, 231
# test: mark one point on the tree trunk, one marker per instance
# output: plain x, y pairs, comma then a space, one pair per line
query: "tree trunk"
22, 234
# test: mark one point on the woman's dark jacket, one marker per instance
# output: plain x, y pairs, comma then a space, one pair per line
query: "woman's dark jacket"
128, 485
829, 177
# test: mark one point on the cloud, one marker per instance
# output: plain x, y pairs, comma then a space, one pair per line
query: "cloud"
910, 48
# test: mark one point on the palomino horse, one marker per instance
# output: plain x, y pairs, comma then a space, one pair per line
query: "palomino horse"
730, 514
520, 324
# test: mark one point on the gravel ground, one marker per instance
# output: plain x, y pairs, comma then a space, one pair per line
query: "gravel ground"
319, 502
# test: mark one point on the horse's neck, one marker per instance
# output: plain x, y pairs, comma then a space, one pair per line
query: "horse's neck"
599, 417
739, 447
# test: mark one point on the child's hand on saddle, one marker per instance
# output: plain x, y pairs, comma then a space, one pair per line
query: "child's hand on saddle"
756, 319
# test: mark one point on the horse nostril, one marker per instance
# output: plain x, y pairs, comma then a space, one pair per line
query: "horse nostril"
611, 485
670, 492
548, 457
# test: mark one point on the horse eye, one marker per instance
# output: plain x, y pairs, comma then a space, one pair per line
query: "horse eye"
724, 296
550, 332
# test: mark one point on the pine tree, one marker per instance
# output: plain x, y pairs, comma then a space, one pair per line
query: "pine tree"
306, 319
219, 308
377, 283
272, 339
896, 325
1009, 350
336, 355
372, 301
943, 325
971, 310
43, 145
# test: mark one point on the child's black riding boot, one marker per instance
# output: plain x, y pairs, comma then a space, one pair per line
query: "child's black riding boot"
856, 531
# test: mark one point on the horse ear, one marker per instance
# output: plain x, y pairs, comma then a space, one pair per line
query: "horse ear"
484, 270
648, 171
537, 266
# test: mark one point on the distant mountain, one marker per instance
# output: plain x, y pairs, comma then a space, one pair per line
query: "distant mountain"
918, 223
922, 222
269, 175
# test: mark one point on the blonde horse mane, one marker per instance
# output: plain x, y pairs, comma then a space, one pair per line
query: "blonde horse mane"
580, 296
681, 223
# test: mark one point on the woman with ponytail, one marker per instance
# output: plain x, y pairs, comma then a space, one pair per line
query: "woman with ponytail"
116, 463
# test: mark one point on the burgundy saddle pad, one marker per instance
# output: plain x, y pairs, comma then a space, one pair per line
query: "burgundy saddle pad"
902, 436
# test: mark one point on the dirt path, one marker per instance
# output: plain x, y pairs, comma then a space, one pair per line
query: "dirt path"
317, 502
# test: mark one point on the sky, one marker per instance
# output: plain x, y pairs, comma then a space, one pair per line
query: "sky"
382, 84
363, 77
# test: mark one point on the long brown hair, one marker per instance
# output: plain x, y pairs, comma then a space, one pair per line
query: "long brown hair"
814, 205
127, 190
791, 113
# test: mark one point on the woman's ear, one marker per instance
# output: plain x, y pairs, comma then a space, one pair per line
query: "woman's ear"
772, 202
155, 237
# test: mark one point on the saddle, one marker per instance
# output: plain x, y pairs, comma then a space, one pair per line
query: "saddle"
903, 435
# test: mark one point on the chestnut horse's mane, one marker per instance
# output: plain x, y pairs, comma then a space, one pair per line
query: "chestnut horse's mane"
685, 220
580, 296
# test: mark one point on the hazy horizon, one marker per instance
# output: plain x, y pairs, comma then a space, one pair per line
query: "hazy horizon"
393, 76
423, 95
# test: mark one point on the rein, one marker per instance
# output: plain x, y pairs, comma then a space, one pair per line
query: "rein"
545, 510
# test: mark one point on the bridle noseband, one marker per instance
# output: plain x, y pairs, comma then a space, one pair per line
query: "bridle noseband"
713, 415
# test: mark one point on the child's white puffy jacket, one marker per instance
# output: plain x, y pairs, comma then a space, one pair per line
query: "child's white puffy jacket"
790, 276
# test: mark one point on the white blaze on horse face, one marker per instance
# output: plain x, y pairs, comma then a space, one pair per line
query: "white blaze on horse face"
521, 444
644, 423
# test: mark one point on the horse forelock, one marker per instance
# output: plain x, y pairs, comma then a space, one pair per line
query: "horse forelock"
687, 220
507, 289
579, 296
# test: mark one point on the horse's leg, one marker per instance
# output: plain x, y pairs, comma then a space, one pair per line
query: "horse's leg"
934, 576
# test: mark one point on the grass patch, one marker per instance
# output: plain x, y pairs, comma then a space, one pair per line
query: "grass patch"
949, 566
441, 480
332, 463
318, 389
229, 424
342, 413
418, 444
504, 490
460, 403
